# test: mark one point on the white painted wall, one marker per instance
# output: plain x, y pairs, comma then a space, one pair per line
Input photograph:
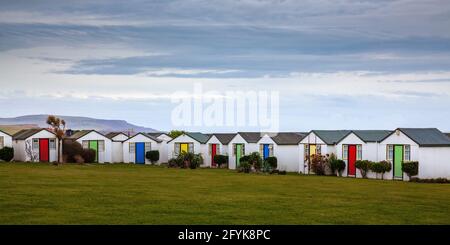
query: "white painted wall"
434, 162
19, 147
163, 147
139, 138
7, 139
117, 152
103, 157
288, 157
120, 137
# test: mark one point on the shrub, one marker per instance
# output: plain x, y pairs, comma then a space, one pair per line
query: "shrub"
89, 155
411, 168
245, 167
282, 172
255, 160
271, 163
336, 165
173, 163
244, 159
381, 168
71, 149
220, 160
319, 164
437, 180
196, 161
6, 154
363, 166
152, 156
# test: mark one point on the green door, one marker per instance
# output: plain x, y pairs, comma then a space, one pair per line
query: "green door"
93, 144
398, 159
238, 154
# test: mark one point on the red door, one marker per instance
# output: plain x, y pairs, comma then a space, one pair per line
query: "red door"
43, 150
213, 153
351, 159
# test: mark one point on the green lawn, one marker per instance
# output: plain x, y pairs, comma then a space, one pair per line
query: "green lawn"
132, 194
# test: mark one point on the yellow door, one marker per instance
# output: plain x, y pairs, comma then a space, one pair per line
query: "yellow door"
312, 150
184, 147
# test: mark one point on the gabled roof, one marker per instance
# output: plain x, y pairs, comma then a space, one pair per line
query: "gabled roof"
27, 133
145, 135
426, 137
157, 134
82, 133
251, 137
372, 135
331, 137
288, 138
5, 132
224, 138
114, 134
201, 138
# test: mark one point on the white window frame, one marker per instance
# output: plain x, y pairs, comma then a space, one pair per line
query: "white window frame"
407, 153
131, 147
52, 144
344, 152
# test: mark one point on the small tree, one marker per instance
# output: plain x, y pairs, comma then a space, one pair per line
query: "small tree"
196, 162
176, 133
270, 164
381, 168
152, 156
6, 154
363, 166
336, 165
59, 128
220, 160
411, 168
89, 155
255, 160
245, 167
31, 154
319, 164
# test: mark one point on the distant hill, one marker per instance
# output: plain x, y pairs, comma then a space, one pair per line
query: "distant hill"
75, 123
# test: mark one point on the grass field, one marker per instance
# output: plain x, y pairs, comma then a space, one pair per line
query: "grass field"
131, 194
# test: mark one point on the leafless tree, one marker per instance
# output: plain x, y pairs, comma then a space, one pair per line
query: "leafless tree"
59, 128
29, 151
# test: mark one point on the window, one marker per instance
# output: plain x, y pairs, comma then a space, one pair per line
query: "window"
2, 144
35, 144
85, 144
177, 149
390, 152
132, 147
271, 150
358, 152
318, 149
52, 144
344, 152
306, 151
407, 156
191, 147
148, 146
101, 146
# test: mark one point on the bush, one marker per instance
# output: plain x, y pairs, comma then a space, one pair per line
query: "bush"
89, 155
244, 159
186, 160
363, 166
270, 164
72, 151
196, 161
152, 156
245, 167
336, 165
380, 168
220, 160
173, 163
319, 164
255, 160
438, 180
6, 154
282, 172
411, 168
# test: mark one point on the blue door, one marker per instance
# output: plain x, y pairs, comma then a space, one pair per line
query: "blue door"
266, 151
140, 153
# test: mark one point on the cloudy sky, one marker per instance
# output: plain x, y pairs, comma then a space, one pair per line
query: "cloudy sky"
337, 64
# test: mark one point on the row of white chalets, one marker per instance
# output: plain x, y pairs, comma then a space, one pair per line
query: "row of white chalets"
429, 146
40, 145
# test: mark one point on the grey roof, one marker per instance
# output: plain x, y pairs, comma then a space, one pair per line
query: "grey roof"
157, 134
426, 136
372, 135
331, 137
251, 137
26, 133
82, 133
224, 138
288, 138
201, 138
146, 135
5, 132
114, 134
